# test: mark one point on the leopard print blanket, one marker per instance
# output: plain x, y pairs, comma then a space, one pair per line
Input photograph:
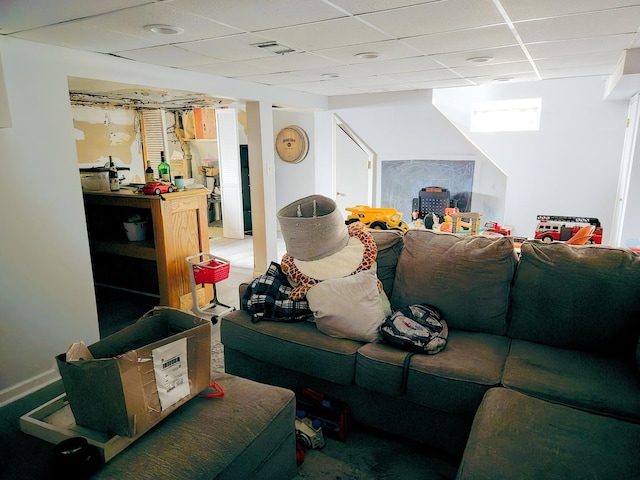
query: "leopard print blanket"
302, 283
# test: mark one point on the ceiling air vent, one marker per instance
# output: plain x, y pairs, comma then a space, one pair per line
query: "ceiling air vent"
274, 47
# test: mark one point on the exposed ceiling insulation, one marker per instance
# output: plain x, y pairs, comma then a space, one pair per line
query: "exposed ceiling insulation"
96, 92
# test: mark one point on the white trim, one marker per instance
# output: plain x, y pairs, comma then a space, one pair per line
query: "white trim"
26, 387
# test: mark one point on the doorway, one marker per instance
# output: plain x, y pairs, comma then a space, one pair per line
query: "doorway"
355, 163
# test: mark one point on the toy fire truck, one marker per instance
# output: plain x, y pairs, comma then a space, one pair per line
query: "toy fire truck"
560, 229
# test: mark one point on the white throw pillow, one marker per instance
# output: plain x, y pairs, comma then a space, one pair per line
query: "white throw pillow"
348, 307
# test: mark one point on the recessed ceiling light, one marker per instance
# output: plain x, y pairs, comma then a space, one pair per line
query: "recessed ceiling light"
503, 79
480, 59
367, 55
330, 75
164, 29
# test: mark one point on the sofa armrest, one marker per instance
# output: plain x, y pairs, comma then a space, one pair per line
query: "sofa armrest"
241, 289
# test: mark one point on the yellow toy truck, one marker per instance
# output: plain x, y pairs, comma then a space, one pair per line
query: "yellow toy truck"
377, 218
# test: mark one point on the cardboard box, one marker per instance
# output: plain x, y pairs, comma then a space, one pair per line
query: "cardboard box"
118, 391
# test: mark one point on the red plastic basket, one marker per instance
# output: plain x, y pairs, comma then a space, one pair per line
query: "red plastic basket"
212, 270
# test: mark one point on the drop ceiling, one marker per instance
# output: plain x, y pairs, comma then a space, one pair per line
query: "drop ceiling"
342, 47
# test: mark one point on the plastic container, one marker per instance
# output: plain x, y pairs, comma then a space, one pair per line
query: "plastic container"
210, 270
137, 231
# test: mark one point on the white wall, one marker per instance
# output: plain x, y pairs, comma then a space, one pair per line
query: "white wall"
406, 126
569, 167
46, 288
295, 180
47, 299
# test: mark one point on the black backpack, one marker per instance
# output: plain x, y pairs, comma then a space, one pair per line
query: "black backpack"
419, 328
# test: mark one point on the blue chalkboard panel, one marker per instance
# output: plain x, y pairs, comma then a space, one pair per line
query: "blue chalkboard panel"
402, 180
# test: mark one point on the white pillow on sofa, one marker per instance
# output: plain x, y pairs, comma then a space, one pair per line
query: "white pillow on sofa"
348, 307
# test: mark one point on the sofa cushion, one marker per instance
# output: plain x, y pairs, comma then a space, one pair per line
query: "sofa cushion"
466, 277
348, 307
296, 346
592, 382
516, 436
389, 244
578, 297
453, 380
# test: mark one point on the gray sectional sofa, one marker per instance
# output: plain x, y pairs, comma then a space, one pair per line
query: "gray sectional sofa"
557, 327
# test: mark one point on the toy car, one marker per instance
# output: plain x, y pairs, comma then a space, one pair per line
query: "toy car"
157, 188
494, 227
377, 218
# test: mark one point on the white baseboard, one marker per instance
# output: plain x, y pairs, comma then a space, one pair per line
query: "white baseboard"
26, 387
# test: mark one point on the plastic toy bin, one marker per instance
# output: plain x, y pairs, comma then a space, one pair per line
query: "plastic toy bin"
207, 268
210, 269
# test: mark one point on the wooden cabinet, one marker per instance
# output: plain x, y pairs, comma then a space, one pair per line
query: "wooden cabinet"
199, 124
205, 123
178, 227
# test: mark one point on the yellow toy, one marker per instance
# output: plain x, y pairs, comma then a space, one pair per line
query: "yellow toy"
377, 218
454, 220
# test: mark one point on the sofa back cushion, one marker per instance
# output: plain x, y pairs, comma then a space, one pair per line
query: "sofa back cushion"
466, 277
579, 297
389, 244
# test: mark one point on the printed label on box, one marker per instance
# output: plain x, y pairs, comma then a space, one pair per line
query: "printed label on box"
172, 372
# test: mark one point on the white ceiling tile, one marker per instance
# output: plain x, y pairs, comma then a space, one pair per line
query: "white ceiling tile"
359, 82
82, 36
329, 34
449, 83
368, 6
20, 15
510, 78
343, 71
528, 10
436, 17
608, 43
502, 69
166, 55
273, 78
402, 65
423, 76
461, 40
609, 22
320, 88
388, 49
132, 22
292, 62
499, 55
253, 16
231, 69
584, 71
570, 61
234, 47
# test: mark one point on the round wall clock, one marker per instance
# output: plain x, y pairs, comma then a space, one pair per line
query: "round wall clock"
292, 144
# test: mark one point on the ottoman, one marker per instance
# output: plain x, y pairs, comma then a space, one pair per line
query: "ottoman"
247, 433
517, 436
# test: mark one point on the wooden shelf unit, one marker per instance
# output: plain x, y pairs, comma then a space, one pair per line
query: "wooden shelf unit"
178, 227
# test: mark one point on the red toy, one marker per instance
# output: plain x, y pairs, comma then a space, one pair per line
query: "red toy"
560, 228
494, 227
157, 188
